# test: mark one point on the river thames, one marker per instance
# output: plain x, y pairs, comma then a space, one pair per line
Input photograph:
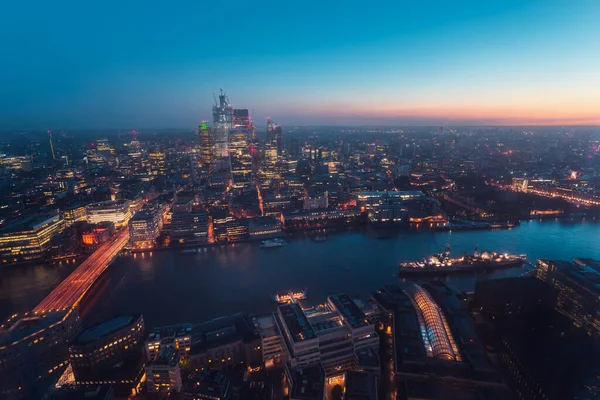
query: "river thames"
170, 286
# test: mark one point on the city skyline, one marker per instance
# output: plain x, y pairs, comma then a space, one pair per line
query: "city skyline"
141, 66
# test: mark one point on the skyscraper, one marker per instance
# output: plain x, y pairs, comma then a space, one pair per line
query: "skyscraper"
274, 145
240, 158
51, 145
222, 125
206, 146
241, 119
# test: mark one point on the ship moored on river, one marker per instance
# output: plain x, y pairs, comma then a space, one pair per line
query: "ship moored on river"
443, 263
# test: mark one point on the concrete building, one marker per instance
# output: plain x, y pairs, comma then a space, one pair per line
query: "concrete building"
163, 374
34, 352
29, 238
116, 211
225, 342
271, 347
110, 352
144, 229
330, 335
176, 336
190, 226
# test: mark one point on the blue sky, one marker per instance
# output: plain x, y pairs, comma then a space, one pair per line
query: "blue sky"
151, 64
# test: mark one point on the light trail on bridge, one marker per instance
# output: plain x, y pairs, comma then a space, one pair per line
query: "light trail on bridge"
70, 291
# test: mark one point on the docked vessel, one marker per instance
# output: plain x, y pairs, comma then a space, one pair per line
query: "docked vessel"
290, 297
443, 263
189, 251
272, 243
319, 238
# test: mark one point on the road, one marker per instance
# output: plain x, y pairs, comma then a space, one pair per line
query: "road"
70, 291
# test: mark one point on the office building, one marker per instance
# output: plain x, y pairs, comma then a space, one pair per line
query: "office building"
29, 238
225, 342
272, 350
163, 374
240, 159
329, 336
264, 227
116, 211
210, 384
306, 383
189, 226
543, 354
74, 213
144, 229
222, 125
241, 119
110, 352
577, 290
206, 146
274, 143
157, 160
34, 352
176, 336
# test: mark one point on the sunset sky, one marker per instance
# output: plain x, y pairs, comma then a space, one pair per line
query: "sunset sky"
151, 64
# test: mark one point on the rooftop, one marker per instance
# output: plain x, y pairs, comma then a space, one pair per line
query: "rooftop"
167, 356
309, 382
30, 223
360, 386
104, 329
21, 326
350, 312
296, 322
170, 331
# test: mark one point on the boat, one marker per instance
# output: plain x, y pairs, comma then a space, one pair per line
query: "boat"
272, 243
443, 263
319, 238
290, 297
189, 251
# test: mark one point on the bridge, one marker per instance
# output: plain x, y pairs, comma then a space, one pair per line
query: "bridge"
71, 290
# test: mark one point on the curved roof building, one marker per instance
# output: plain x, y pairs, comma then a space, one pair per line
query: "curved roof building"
435, 331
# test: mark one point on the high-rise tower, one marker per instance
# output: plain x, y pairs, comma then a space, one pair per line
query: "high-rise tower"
240, 158
274, 144
51, 145
206, 146
222, 125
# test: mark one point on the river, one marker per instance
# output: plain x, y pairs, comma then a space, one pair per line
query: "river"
170, 287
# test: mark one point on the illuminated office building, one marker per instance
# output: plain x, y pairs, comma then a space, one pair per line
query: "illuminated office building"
329, 336
274, 143
163, 374
222, 125
30, 237
189, 226
157, 162
240, 158
241, 120
34, 352
206, 146
144, 229
115, 211
176, 336
74, 213
111, 352
576, 290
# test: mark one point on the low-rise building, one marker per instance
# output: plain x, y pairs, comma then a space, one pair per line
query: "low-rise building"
163, 374
272, 351
176, 336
